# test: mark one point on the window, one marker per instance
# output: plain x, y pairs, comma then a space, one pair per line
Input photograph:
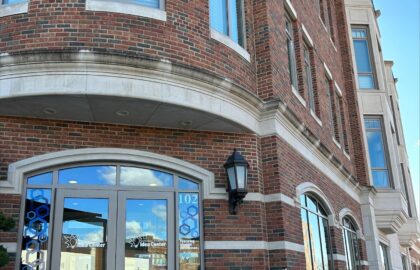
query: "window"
343, 124
377, 152
309, 78
404, 262
151, 3
9, 2
291, 52
332, 110
325, 13
227, 17
351, 244
110, 216
384, 256
405, 190
363, 56
315, 234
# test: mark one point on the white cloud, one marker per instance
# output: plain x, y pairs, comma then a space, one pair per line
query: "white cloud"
93, 237
139, 177
133, 228
418, 143
159, 210
109, 174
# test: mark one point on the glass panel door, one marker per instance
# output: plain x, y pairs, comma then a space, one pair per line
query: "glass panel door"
145, 231
85, 234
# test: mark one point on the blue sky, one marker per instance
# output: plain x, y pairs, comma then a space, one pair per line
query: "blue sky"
399, 26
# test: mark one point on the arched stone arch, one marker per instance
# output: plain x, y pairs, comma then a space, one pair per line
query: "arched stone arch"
311, 188
18, 169
346, 212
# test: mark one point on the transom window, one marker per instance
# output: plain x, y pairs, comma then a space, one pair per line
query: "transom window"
351, 244
315, 234
110, 216
227, 17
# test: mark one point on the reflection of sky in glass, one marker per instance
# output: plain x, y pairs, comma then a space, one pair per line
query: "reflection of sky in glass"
148, 3
89, 175
187, 184
189, 230
41, 179
362, 56
86, 218
218, 16
146, 218
36, 225
132, 176
376, 151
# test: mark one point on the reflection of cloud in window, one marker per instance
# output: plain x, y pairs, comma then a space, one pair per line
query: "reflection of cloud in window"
159, 210
93, 237
139, 177
133, 228
108, 173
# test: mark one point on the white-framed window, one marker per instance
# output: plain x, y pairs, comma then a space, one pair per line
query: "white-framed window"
379, 161
12, 7
351, 244
110, 216
363, 55
384, 256
228, 18
404, 262
291, 52
315, 233
154, 9
309, 77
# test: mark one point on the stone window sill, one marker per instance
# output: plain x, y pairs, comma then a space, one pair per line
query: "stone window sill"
316, 118
230, 43
299, 97
126, 8
12, 9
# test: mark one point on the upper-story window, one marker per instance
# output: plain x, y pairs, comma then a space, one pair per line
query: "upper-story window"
227, 17
151, 3
384, 256
9, 2
315, 233
291, 53
351, 244
309, 77
377, 152
365, 71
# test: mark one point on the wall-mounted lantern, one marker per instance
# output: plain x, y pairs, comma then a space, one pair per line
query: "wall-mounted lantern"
237, 174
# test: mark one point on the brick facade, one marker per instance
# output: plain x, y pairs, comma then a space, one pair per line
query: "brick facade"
276, 167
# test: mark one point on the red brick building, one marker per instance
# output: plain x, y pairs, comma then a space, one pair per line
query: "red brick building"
116, 120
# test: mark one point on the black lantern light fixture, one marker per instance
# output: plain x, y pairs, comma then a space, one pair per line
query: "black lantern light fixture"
237, 174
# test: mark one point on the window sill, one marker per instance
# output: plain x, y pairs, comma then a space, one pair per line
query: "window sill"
316, 118
299, 97
229, 43
346, 155
336, 143
12, 9
126, 8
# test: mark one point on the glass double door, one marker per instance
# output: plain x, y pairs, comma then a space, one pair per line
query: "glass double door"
113, 230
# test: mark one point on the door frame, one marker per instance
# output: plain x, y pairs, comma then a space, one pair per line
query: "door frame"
170, 220
58, 222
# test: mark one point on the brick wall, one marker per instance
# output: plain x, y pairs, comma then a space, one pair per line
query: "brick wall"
22, 138
184, 39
